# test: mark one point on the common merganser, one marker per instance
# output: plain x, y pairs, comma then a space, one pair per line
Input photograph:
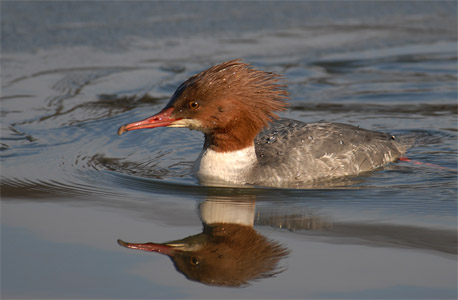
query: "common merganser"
234, 105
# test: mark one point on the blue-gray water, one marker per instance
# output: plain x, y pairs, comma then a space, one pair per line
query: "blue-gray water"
73, 72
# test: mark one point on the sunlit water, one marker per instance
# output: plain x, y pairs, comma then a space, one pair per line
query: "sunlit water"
71, 187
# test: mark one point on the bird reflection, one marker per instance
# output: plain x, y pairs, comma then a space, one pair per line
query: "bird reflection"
229, 252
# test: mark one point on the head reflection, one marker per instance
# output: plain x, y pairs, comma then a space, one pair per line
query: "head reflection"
229, 252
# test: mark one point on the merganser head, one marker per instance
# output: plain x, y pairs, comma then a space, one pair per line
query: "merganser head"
230, 103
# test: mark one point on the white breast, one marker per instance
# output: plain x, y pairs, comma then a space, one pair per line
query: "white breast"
232, 167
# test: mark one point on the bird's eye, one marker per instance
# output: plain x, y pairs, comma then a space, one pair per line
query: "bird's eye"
194, 261
193, 105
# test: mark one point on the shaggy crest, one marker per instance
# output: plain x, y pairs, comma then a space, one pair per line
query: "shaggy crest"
244, 86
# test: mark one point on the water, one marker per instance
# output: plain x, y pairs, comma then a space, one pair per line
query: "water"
72, 73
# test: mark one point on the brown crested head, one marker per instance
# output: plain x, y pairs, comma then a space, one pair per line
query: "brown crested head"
230, 103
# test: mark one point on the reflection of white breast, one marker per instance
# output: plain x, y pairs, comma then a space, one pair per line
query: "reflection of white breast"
226, 211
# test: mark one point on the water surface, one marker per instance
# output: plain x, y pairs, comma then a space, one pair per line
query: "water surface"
72, 73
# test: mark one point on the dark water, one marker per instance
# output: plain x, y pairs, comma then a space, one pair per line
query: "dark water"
72, 73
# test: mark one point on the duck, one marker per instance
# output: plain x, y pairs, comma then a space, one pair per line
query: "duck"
235, 106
